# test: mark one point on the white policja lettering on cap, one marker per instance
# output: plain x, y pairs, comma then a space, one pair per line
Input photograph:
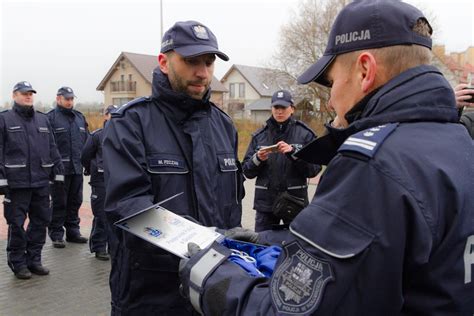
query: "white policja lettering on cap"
280, 95
352, 37
167, 43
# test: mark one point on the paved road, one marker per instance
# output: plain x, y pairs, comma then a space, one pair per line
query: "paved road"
78, 283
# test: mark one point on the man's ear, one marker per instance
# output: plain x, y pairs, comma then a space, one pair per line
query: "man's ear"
163, 62
367, 68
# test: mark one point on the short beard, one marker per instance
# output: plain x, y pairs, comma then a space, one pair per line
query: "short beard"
178, 84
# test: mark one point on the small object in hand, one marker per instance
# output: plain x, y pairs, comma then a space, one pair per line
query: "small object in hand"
270, 149
471, 100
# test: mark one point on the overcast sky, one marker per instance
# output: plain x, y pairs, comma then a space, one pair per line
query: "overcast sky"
57, 42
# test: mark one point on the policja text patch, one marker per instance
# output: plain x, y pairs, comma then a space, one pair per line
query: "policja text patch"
298, 283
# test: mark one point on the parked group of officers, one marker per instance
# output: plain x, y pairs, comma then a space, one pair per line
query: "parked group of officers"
390, 230
41, 177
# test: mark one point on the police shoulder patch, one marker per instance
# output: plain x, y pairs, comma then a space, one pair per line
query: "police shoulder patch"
121, 110
368, 141
298, 284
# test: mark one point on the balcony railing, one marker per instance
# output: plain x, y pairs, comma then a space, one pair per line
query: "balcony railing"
123, 86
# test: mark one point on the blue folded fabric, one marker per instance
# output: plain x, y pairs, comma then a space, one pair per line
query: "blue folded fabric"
256, 260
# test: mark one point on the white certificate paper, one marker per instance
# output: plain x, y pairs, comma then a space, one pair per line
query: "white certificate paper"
169, 231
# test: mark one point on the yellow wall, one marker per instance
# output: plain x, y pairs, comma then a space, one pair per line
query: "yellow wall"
125, 68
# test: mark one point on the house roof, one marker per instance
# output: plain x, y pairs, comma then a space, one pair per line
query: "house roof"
263, 104
261, 79
145, 64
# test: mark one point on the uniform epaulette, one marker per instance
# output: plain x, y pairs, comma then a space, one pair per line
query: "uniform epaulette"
3, 111
121, 110
303, 124
97, 130
368, 141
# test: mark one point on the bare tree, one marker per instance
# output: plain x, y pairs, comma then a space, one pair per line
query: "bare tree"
302, 42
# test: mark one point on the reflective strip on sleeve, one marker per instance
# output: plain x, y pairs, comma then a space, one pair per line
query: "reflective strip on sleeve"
255, 160
200, 271
59, 178
3, 182
297, 187
261, 187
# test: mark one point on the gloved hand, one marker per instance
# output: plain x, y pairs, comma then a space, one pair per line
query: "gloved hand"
193, 249
208, 260
242, 234
4, 190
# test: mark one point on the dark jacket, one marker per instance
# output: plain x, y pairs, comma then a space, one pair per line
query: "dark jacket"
467, 119
390, 231
28, 153
154, 148
70, 132
279, 173
91, 158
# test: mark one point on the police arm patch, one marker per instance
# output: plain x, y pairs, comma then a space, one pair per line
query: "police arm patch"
298, 284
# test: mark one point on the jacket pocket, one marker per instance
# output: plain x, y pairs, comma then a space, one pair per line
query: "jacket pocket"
46, 163
331, 234
16, 171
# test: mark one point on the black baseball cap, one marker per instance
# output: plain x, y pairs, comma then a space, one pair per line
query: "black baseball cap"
66, 92
190, 39
365, 24
23, 86
282, 98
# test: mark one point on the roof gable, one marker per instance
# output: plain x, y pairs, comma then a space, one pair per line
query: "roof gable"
261, 79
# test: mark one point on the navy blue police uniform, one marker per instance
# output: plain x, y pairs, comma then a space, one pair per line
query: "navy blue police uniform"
280, 173
160, 146
70, 132
92, 162
29, 161
391, 228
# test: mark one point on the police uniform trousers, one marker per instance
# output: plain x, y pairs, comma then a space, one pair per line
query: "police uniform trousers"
24, 247
67, 199
100, 227
266, 221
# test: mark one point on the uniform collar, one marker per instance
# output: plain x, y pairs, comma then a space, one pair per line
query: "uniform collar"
24, 110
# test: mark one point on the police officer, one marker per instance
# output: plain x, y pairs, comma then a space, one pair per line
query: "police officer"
70, 132
279, 175
92, 161
175, 141
390, 230
29, 160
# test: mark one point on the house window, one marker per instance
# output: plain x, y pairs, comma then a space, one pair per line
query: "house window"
122, 78
232, 90
121, 101
241, 90
130, 77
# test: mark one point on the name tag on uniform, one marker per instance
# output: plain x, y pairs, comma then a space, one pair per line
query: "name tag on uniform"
82, 129
12, 128
43, 130
166, 162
